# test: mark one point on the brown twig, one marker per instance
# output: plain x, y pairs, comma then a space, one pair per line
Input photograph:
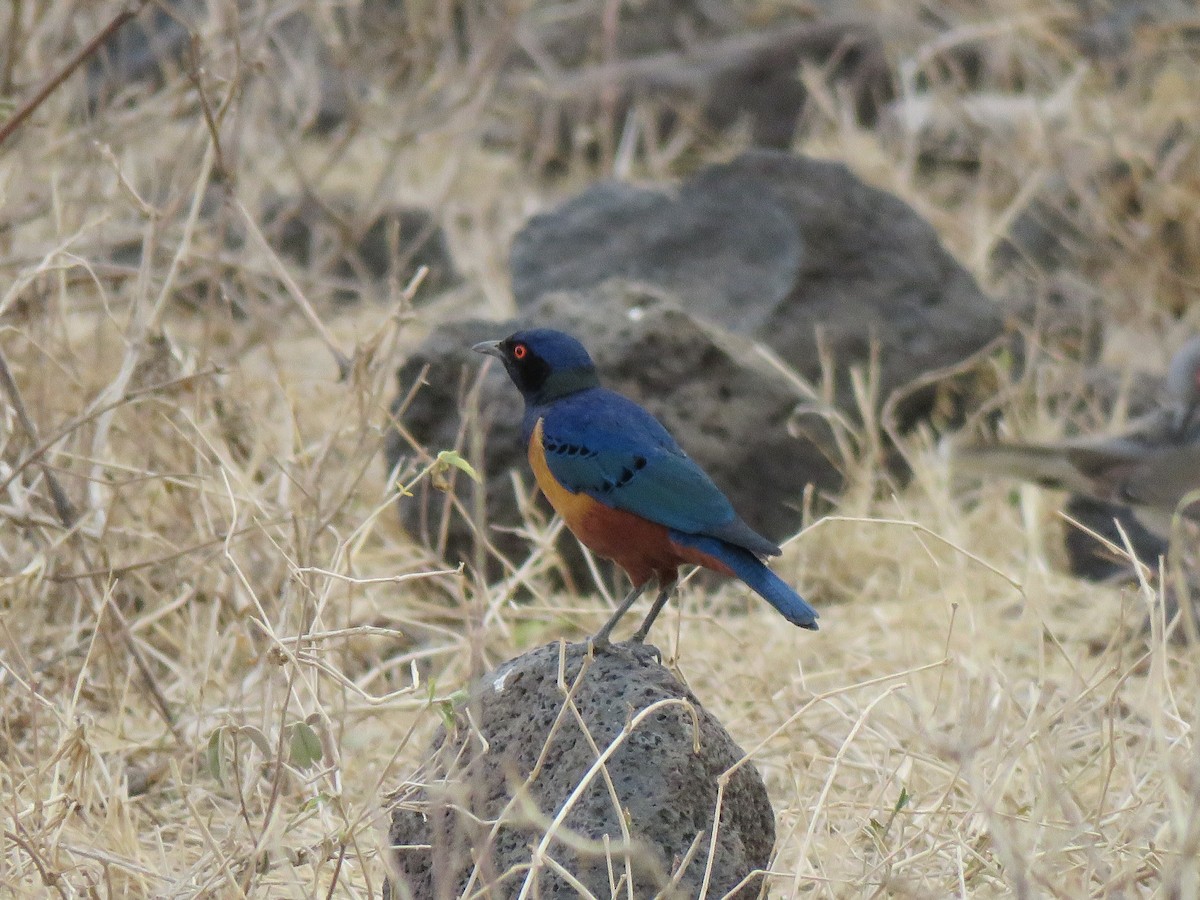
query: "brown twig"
68, 516
344, 362
26, 109
62, 504
192, 58
39, 450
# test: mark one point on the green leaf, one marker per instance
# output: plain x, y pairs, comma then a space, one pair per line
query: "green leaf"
446, 710
305, 746
446, 458
258, 739
313, 802
213, 754
902, 802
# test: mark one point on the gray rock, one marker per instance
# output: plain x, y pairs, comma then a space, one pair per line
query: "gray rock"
733, 253
511, 738
156, 44
707, 66
434, 381
143, 51
733, 412
1066, 223
1181, 604
862, 266
1050, 233
333, 239
874, 270
1091, 559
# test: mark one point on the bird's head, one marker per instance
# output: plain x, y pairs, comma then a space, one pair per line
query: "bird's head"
544, 364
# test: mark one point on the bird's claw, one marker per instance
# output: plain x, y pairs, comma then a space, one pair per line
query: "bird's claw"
599, 644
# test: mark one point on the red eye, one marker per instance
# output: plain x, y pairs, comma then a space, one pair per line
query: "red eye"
520, 351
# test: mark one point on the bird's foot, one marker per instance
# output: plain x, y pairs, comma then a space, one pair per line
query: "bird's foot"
599, 643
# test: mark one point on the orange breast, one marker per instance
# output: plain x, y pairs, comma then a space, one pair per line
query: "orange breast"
642, 548
573, 507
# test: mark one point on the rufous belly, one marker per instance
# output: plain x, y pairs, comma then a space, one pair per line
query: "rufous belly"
642, 548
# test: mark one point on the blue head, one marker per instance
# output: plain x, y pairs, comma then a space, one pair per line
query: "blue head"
544, 364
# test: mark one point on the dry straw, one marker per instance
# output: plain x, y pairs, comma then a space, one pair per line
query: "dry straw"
219, 651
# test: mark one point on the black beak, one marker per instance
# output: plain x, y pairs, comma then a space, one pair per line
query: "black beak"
491, 348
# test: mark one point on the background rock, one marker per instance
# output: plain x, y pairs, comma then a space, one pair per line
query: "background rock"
143, 52
731, 409
1090, 558
664, 776
734, 254
859, 265
681, 61
333, 240
792, 252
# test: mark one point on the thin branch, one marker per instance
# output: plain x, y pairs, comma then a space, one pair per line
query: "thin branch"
52, 84
344, 363
62, 504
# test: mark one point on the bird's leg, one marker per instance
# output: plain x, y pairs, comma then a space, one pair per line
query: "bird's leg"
664, 592
600, 638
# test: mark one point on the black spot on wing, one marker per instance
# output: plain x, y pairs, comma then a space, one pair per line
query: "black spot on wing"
564, 449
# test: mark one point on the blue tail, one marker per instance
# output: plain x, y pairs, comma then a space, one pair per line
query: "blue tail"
761, 580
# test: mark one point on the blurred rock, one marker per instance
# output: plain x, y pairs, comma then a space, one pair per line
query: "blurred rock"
734, 253
509, 740
332, 240
1090, 558
682, 60
1057, 310
434, 382
1106, 33
1181, 600
144, 50
863, 266
734, 412
308, 83
1066, 225
1047, 234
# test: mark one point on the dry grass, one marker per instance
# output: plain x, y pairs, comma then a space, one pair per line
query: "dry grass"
970, 722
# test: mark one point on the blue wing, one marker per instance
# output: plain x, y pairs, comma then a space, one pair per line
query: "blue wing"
608, 447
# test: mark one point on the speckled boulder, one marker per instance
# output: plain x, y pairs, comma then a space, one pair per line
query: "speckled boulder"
515, 758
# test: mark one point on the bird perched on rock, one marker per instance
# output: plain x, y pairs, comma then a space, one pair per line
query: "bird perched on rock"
1153, 468
623, 486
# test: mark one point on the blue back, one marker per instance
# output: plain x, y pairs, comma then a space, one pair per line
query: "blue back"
606, 446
